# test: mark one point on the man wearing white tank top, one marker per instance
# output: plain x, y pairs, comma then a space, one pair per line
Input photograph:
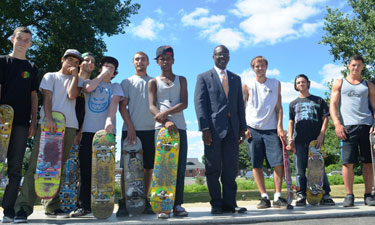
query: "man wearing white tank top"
353, 126
264, 118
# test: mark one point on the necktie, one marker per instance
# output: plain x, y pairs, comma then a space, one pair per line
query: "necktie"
225, 83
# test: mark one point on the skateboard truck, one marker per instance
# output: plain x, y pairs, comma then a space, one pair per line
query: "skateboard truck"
162, 195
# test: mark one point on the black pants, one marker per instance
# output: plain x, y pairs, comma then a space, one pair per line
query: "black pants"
85, 161
16, 151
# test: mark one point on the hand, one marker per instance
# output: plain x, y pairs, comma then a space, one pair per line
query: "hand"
171, 127
161, 117
78, 138
248, 133
341, 132
207, 137
131, 137
319, 140
291, 146
242, 136
51, 125
372, 129
73, 70
281, 133
108, 126
32, 130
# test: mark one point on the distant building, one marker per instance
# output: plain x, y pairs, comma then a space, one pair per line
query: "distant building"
194, 168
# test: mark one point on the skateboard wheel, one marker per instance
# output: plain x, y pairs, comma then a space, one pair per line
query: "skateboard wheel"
153, 195
158, 144
171, 195
175, 145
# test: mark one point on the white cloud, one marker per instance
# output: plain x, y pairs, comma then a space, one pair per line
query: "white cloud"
248, 74
288, 93
316, 85
272, 21
159, 11
148, 29
196, 149
331, 72
193, 134
228, 37
199, 18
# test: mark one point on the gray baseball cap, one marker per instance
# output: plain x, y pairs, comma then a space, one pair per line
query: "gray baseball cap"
73, 52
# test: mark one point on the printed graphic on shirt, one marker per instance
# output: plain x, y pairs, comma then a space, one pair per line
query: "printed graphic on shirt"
25, 74
99, 100
306, 111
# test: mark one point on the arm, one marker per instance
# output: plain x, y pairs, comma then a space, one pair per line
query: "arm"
112, 113
245, 93
320, 138
371, 90
73, 89
131, 137
91, 85
333, 110
290, 135
241, 115
279, 114
47, 105
152, 97
34, 111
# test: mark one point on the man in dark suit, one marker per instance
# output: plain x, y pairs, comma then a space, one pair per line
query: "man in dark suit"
221, 117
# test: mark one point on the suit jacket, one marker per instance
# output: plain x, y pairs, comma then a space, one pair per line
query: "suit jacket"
212, 106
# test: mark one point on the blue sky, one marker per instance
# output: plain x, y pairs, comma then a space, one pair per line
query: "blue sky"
286, 32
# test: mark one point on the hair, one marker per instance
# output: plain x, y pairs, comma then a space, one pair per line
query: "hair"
303, 76
141, 53
258, 58
356, 57
22, 29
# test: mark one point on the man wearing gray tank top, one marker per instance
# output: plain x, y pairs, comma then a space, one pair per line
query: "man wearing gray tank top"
350, 98
167, 99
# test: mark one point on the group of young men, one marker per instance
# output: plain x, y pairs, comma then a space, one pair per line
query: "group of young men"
228, 114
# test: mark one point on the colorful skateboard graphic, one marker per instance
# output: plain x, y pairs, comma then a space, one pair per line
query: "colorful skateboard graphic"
6, 121
69, 187
165, 172
103, 175
48, 169
134, 177
288, 175
315, 166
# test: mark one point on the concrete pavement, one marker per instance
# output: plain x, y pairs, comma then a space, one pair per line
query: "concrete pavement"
199, 213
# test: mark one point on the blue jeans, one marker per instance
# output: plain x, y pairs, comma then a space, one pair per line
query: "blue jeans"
300, 163
180, 182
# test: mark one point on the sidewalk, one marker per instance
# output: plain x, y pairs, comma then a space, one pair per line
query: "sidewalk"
199, 213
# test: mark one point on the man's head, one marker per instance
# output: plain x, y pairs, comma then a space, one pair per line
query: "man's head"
221, 57
301, 82
259, 65
356, 64
21, 39
88, 63
164, 57
73, 53
71, 61
111, 63
140, 61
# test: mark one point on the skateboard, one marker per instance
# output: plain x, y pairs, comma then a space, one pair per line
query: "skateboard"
134, 177
288, 175
103, 174
69, 186
372, 143
165, 172
315, 173
6, 120
48, 168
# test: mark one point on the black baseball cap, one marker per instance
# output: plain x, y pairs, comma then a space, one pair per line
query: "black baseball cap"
165, 49
109, 59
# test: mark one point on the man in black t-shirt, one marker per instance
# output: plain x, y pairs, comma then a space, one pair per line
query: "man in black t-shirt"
18, 88
308, 120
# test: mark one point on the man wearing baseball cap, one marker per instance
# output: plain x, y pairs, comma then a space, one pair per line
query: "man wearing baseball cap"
60, 90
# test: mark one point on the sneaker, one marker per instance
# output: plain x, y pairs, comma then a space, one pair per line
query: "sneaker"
280, 203
148, 208
80, 212
163, 215
7, 219
301, 201
8, 215
58, 213
327, 200
179, 211
264, 203
348, 201
122, 212
369, 200
21, 216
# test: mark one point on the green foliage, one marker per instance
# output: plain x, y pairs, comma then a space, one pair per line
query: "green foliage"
352, 33
337, 180
200, 180
196, 188
243, 158
332, 147
60, 25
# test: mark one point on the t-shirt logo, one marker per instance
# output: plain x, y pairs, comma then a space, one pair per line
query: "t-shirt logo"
25, 74
99, 100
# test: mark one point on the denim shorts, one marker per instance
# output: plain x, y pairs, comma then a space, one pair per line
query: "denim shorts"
264, 144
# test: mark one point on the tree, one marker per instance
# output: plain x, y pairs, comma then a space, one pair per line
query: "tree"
352, 33
243, 158
60, 25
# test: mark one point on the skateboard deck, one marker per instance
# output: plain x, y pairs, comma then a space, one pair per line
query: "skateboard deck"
315, 172
134, 177
288, 175
165, 171
6, 121
103, 174
372, 143
69, 186
48, 168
